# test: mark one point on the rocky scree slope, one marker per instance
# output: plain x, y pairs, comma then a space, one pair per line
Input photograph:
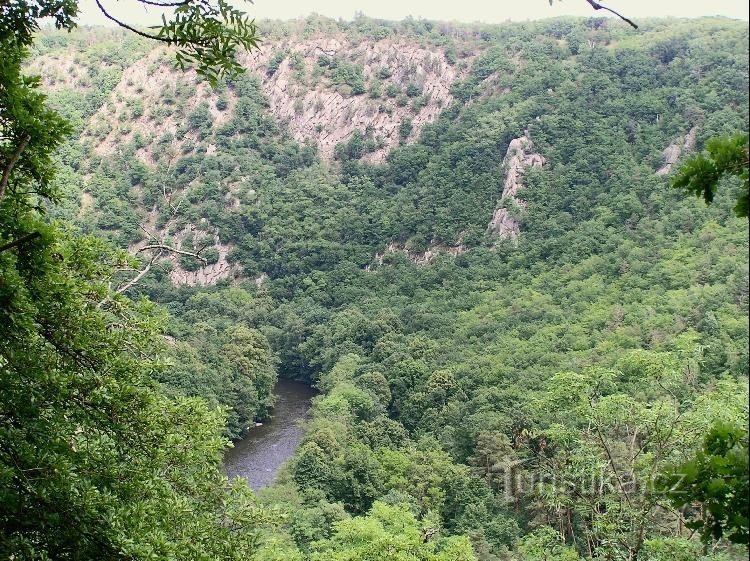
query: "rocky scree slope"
320, 90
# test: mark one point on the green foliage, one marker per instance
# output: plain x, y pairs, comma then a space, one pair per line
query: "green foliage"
114, 462
413, 90
276, 59
723, 157
297, 62
390, 533
384, 73
343, 72
200, 119
545, 543
208, 37
357, 146
30, 130
404, 129
717, 479
96, 462
672, 549
19, 20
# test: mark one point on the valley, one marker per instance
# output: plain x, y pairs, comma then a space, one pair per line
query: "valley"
431, 279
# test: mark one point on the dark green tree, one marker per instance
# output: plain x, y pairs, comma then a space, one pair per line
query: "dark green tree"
715, 481
725, 156
95, 461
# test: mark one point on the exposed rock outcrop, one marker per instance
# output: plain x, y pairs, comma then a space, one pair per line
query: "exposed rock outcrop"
322, 88
519, 157
62, 71
419, 258
152, 84
672, 152
208, 275
313, 109
320, 113
152, 102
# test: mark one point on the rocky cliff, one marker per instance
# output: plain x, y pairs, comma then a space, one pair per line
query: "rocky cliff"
322, 90
519, 157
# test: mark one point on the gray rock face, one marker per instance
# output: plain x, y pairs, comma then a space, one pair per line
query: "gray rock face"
672, 152
519, 157
428, 256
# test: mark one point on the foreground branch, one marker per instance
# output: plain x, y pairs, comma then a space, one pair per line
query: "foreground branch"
139, 276
19, 241
598, 6
133, 29
171, 249
160, 249
11, 164
164, 4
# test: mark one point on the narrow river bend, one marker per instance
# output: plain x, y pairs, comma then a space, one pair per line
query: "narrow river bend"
259, 456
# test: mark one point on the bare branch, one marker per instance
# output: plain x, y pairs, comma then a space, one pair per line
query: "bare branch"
23, 239
611, 459
130, 28
11, 164
164, 4
139, 276
172, 250
160, 248
168, 198
598, 6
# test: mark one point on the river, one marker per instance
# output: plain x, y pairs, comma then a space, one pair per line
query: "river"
259, 456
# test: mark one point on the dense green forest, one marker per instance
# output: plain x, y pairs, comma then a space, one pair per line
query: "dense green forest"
522, 393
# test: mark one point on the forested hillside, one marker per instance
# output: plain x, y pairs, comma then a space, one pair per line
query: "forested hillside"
464, 237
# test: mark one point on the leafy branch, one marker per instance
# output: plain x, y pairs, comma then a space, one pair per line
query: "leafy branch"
725, 156
11, 163
208, 34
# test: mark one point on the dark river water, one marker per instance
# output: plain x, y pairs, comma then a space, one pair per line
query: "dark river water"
261, 453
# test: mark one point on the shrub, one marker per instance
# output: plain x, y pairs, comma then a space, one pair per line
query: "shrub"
404, 129
276, 60
413, 90
222, 103
384, 73
210, 254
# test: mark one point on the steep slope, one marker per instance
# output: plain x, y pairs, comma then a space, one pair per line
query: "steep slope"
520, 156
240, 174
319, 90
322, 88
317, 86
